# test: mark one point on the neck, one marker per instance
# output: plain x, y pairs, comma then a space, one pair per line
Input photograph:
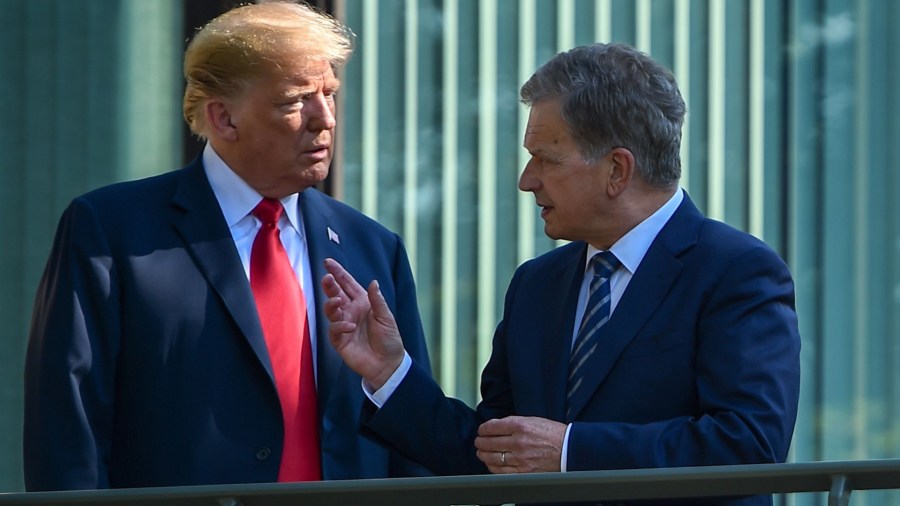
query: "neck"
632, 210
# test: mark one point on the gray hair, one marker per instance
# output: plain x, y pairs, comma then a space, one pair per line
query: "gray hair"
612, 95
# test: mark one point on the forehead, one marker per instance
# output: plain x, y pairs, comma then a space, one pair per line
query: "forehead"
309, 71
301, 73
546, 127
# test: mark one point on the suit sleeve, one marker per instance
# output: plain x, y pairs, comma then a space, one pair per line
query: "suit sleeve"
747, 382
438, 431
70, 361
410, 325
407, 313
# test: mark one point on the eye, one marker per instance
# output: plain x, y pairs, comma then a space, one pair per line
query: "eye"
290, 101
549, 161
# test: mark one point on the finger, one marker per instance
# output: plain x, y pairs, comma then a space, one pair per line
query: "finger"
492, 444
379, 306
344, 279
332, 307
332, 288
497, 462
338, 329
497, 427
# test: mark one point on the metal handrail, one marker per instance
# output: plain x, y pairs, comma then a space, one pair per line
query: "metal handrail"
838, 478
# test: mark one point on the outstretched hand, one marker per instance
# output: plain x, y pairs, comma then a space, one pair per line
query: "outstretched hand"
363, 329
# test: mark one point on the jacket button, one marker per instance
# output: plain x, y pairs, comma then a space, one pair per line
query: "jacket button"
263, 453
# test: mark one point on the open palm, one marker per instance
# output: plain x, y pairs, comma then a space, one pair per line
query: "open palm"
363, 329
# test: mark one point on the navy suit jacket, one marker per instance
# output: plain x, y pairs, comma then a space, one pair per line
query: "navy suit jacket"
698, 365
146, 364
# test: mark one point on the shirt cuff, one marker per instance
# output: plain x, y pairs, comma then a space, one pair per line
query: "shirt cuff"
384, 393
565, 450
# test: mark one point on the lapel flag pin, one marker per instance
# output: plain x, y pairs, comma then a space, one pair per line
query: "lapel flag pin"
332, 236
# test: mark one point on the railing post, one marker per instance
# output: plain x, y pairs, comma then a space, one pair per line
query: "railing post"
839, 495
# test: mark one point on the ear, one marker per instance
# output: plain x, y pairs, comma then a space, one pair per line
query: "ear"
219, 119
621, 171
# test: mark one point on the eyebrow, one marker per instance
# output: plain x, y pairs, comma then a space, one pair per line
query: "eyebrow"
298, 88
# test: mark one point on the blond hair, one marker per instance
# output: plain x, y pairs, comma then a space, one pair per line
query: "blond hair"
252, 41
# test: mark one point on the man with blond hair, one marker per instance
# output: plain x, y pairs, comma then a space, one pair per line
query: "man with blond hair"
177, 335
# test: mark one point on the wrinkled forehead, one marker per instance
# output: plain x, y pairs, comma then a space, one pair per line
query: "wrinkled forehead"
305, 72
545, 121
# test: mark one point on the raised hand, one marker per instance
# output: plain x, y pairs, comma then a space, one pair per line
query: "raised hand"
363, 329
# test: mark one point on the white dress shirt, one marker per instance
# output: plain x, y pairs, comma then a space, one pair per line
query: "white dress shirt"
237, 200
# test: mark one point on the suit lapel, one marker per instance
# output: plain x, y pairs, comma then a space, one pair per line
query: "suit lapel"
202, 226
556, 337
323, 236
647, 289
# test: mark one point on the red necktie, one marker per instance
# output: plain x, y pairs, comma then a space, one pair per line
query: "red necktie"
282, 313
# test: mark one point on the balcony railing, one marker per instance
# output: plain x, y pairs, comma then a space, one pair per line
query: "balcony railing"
836, 478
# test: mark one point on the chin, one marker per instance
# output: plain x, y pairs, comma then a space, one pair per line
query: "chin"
311, 177
550, 233
557, 235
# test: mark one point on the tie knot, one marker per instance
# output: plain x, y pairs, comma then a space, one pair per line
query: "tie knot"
604, 264
268, 210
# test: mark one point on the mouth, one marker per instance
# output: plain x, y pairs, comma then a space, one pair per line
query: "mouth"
545, 210
319, 152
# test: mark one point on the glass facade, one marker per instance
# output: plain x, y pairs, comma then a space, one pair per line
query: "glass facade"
792, 134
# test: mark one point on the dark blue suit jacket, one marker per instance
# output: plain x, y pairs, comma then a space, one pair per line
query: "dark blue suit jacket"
147, 365
699, 364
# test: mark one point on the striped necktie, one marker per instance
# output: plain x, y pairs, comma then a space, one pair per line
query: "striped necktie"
596, 314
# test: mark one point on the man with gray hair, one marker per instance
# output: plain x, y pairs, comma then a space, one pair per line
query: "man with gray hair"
655, 338
177, 337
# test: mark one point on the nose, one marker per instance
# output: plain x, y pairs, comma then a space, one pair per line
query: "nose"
321, 112
528, 181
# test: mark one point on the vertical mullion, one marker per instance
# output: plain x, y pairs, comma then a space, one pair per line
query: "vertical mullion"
565, 24
716, 172
643, 25
369, 176
682, 72
863, 237
487, 180
411, 128
603, 20
565, 39
449, 244
527, 43
837, 115
756, 211
805, 258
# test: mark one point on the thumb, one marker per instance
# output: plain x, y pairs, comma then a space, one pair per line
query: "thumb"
380, 309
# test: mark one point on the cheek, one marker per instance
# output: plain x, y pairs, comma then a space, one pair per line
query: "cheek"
579, 199
287, 122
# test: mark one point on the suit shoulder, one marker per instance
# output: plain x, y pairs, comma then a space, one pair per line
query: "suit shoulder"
725, 235
346, 213
131, 193
723, 241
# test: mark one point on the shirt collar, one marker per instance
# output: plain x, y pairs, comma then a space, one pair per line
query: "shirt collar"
237, 198
631, 248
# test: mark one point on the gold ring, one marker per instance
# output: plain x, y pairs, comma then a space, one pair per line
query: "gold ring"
503, 458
